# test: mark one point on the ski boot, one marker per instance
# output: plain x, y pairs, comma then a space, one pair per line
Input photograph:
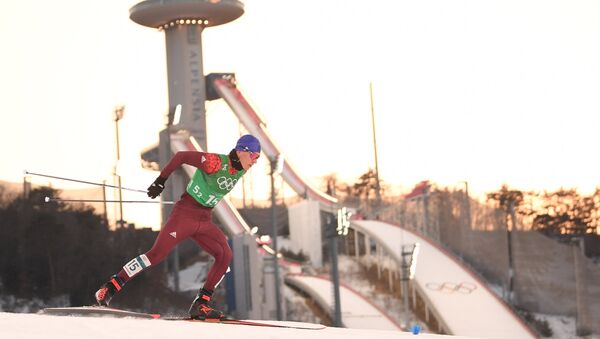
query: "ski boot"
108, 290
201, 310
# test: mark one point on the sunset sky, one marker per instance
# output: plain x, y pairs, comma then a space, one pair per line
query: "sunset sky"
489, 92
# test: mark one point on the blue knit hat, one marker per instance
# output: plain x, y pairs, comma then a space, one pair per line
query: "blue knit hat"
248, 143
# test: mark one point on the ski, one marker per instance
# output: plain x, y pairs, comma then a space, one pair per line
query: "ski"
103, 311
98, 311
262, 323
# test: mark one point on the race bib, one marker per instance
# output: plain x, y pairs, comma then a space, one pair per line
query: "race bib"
136, 265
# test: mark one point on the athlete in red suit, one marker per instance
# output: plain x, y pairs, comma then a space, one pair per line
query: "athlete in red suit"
216, 175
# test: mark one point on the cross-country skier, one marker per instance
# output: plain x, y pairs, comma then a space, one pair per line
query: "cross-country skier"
215, 176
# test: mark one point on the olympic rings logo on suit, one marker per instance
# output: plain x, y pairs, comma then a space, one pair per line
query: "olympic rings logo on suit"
226, 183
450, 287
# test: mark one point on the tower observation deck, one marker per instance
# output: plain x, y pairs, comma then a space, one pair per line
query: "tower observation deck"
183, 21
158, 13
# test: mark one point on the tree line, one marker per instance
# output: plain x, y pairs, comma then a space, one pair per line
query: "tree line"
56, 249
561, 214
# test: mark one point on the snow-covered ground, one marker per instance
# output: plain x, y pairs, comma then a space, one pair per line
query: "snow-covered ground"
9, 303
357, 311
352, 274
34, 326
297, 309
563, 327
191, 278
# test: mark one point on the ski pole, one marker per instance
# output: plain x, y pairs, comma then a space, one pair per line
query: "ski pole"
49, 199
84, 182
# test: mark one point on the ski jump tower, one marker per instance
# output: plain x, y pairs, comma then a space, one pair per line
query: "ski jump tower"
183, 22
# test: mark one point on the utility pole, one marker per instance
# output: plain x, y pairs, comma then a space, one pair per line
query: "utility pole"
334, 228
341, 224
274, 166
462, 234
408, 266
105, 214
173, 121
509, 230
119, 112
335, 276
377, 186
26, 186
468, 201
582, 319
404, 280
426, 229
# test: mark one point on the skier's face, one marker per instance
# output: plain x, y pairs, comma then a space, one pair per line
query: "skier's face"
248, 159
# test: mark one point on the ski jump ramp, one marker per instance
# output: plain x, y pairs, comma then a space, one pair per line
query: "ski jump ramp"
357, 312
228, 90
459, 299
461, 302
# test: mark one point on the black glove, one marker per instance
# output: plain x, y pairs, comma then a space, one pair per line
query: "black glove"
157, 187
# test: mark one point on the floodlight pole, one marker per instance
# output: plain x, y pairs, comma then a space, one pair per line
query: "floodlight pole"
119, 111
377, 185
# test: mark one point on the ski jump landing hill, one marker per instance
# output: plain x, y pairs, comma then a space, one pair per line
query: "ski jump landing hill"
459, 301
